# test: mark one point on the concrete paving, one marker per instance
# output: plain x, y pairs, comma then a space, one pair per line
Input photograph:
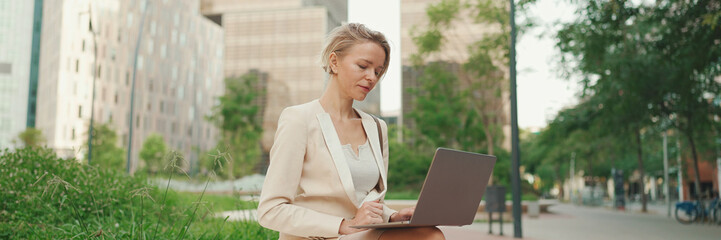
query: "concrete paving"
568, 221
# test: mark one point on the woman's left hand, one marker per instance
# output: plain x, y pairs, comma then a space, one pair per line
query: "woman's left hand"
403, 215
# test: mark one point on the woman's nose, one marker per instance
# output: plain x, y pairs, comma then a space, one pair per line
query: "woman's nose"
371, 76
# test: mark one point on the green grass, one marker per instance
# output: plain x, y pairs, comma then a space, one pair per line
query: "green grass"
46, 197
402, 195
524, 197
216, 202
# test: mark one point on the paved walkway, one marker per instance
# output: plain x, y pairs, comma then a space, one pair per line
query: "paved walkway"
577, 222
566, 221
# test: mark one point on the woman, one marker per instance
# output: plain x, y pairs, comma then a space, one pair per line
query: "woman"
327, 169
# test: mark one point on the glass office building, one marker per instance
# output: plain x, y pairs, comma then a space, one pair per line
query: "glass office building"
178, 76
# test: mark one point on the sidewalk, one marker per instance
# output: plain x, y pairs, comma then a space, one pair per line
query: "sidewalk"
655, 208
570, 222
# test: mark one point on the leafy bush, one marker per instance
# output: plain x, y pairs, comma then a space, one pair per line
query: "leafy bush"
46, 197
152, 153
407, 167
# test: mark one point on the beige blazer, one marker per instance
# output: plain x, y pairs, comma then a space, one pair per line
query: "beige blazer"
308, 189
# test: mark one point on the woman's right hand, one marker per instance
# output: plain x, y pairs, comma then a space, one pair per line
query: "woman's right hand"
368, 213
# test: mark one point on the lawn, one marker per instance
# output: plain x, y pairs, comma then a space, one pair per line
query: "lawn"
46, 197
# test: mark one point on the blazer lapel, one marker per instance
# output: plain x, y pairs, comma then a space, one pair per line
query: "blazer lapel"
336, 152
371, 130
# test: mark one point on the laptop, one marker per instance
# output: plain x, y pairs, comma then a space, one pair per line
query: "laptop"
452, 192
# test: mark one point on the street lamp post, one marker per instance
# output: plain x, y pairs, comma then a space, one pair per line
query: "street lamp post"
132, 87
95, 75
515, 151
665, 174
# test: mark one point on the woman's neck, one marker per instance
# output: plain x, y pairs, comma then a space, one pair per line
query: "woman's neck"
336, 103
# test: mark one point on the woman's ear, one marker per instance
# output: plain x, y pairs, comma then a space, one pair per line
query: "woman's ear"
333, 62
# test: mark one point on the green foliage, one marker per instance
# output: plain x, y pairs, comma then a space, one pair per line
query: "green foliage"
31, 137
439, 107
216, 202
240, 119
106, 153
153, 151
459, 102
479, 81
442, 13
645, 69
41, 193
408, 164
46, 197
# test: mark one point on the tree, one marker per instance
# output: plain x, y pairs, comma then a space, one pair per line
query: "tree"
106, 154
635, 60
153, 151
608, 46
31, 137
688, 47
239, 117
440, 111
482, 76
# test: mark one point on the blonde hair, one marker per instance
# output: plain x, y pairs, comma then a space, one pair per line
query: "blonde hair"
344, 37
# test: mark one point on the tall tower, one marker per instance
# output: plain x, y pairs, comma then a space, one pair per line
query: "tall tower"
178, 76
18, 27
281, 39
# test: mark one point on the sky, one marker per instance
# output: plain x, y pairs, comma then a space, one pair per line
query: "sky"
541, 91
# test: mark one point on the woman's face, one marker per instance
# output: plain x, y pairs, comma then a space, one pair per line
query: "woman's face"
358, 69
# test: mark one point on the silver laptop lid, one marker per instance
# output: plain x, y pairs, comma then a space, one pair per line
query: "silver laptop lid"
453, 188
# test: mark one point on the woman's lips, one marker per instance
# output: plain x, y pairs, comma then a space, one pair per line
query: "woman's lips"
366, 89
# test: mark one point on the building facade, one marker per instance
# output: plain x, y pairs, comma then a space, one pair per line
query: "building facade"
19, 24
282, 39
178, 74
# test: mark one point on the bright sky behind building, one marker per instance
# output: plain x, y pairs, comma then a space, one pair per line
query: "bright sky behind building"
541, 91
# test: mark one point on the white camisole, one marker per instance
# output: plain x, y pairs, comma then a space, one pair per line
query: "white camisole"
363, 168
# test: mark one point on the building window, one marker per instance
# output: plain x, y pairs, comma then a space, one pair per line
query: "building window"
72, 134
77, 66
6, 68
151, 46
127, 78
80, 111
130, 20
116, 97
83, 46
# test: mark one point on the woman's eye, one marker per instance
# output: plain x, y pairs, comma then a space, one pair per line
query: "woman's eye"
362, 67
